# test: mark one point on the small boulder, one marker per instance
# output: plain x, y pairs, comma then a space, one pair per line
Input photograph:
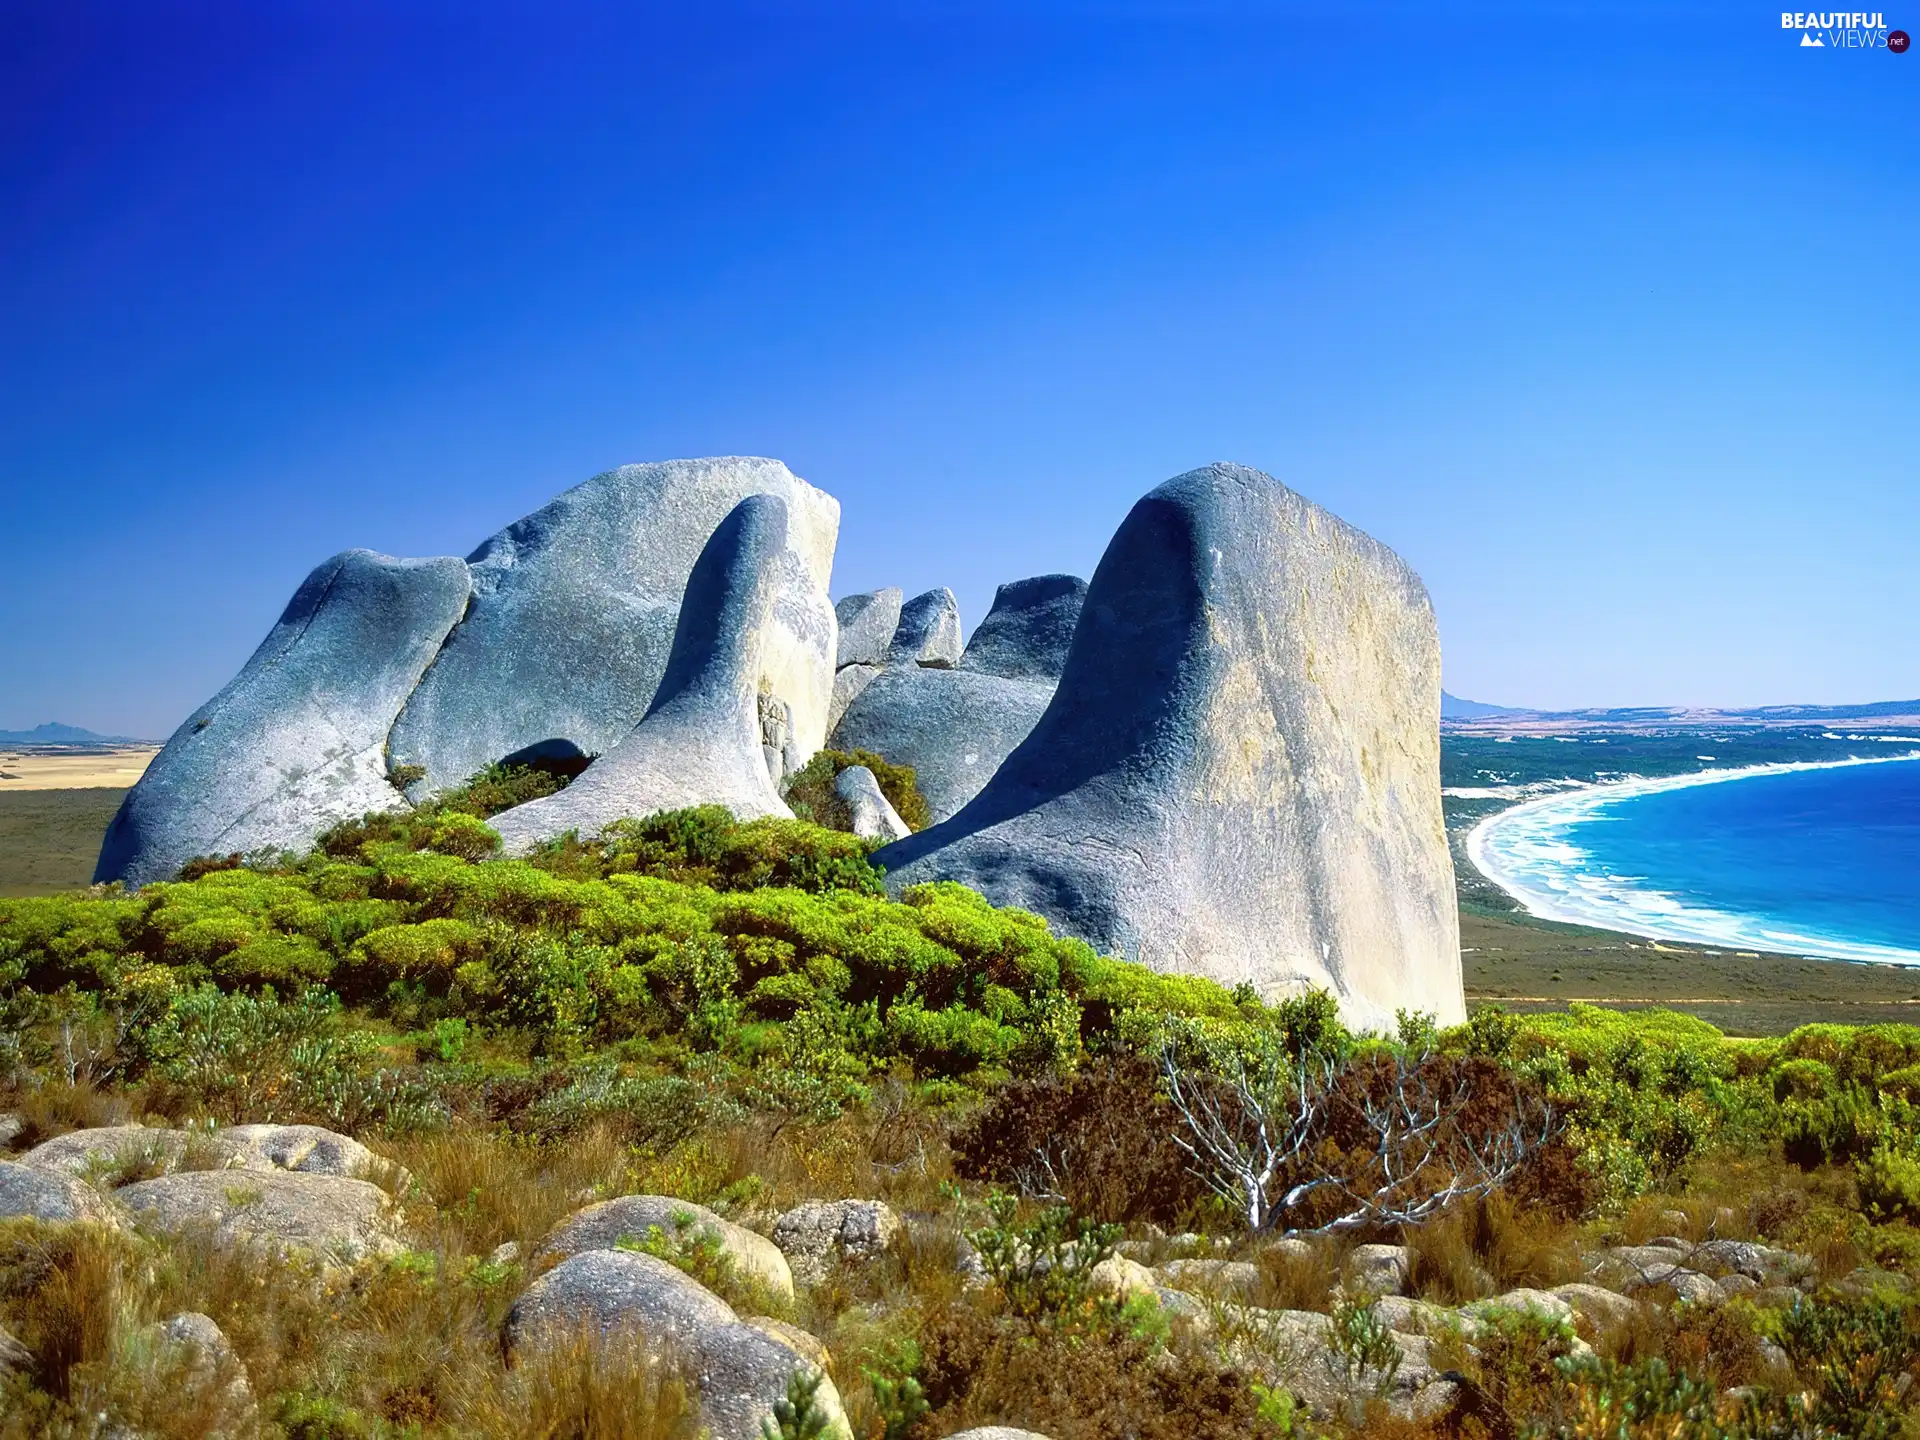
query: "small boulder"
14, 1357
929, 631
10, 1126
1379, 1269
1119, 1278
1543, 1303
27, 1192
200, 1359
871, 813
602, 1226
1212, 1277
1761, 1263
867, 624
335, 1219
1419, 1317
821, 1234
1602, 1307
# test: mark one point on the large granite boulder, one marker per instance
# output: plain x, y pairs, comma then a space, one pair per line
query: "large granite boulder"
574, 614
296, 742
955, 726
1238, 775
929, 631
870, 814
605, 1225
714, 734
867, 623
31, 1193
147, 1151
335, 1220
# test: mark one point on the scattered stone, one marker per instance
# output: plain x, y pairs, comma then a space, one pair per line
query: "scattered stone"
929, 631
1238, 775
602, 1226
1029, 630
1641, 1257
1119, 1278
337, 1220
867, 625
10, 1126
27, 1192
1737, 1284
1379, 1269
1420, 1317
296, 742
751, 625
872, 814
505, 1253
308, 1149
820, 1234
739, 1369
1523, 1301
1671, 1242
1291, 1246
574, 614
201, 1360
1239, 1277
14, 1357
1757, 1262
1602, 1307
1688, 1285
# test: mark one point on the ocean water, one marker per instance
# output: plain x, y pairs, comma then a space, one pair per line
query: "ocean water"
1808, 859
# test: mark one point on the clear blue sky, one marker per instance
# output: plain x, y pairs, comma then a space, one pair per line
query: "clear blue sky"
1605, 317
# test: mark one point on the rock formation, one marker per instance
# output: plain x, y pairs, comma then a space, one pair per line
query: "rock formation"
1238, 774
867, 626
296, 741
929, 631
573, 617
870, 814
955, 726
752, 615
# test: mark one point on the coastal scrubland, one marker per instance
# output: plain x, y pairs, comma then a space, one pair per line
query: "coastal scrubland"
736, 1015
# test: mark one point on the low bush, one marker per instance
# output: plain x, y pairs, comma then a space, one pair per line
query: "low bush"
811, 796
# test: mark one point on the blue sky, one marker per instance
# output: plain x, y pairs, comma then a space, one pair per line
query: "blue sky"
1605, 317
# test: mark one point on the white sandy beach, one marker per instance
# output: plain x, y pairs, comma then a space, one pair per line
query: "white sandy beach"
58, 767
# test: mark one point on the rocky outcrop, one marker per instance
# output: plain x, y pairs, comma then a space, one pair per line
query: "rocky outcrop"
34, 1194
751, 616
296, 741
334, 1220
1238, 775
680, 1222
738, 1370
928, 632
869, 812
955, 726
205, 1371
574, 615
822, 1234
155, 1150
867, 625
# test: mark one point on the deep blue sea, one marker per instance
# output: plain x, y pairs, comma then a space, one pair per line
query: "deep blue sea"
1815, 860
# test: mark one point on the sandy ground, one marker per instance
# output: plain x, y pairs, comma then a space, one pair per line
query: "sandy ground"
60, 767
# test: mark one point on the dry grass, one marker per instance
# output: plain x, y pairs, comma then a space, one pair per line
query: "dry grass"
1488, 1246
1290, 1281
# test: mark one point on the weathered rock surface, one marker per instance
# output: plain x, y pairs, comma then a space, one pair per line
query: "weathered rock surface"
744, 628
1120, 1278
822, 1234
1213, 1277
574, 615
334, 1219
738, 1369
1238, 775
1029, 630
847, 685
956, 726
1544, 1303
102, 1147
868, 809
1379, 1269
309, 1149
203, 1364
30, 1193
867, 625
10, 1126
929, 631
1597, 1304
296, 741
601, 1227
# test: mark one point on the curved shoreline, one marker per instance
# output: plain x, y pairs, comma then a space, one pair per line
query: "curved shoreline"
1608, 904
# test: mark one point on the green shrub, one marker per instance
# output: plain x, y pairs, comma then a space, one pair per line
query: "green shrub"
1803, 1079
1890, 1181
810, 789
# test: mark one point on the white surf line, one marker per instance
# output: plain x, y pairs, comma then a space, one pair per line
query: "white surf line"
1609, 903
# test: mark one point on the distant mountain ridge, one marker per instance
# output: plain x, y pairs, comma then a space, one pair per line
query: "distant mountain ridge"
53, 733
1452, 707
1470, 714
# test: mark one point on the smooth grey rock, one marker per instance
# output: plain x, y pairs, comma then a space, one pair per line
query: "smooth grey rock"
574, 613
10, 1126
1544, 1303
954, 727
847, 685
1239, 1277
868, 809
1379, 1269
310, 1149
30, 1193
1597, 1304
103, 1148
821, 1234
738, 1369
601, 1227
1029, 630
929, 632
327, 1216
704, 740
867, 625
296, 742
1238, 775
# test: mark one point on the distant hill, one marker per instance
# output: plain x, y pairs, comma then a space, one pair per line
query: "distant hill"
1452, 707
56, 734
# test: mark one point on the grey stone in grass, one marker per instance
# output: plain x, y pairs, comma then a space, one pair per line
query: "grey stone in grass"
325, 1216
310, 1149
574, 614
870, 813
1598, 1305
1238, 775
1212, 1277
204, 1369
867, 624
820, 1234
738, 1369
296, 742
929, 631
703, 741
1029, 630
1379, 1269
630, 1217
27, 1192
